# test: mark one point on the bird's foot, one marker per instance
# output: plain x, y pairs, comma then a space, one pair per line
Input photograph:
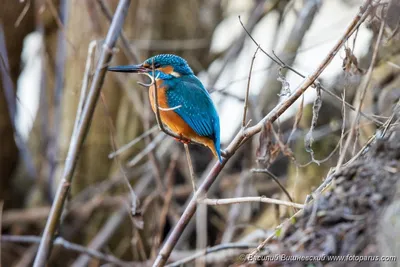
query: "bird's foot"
182, 139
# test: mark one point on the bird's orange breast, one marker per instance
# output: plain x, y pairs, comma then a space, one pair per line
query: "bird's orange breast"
173, 120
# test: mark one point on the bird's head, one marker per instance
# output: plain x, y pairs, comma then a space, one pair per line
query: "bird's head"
166, 66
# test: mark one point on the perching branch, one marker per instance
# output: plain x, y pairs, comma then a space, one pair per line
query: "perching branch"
245, 134
191, 171
77, 141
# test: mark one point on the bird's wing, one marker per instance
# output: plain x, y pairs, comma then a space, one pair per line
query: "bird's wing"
194, 105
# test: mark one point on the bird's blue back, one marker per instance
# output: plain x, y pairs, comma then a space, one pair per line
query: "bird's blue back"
196, 107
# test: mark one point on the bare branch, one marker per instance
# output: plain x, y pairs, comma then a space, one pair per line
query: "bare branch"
207, 251
283, 65
133, 142
85, 83
246, 100
69, 246
363, 91
275, 179
191, 171
150, 147
262, 199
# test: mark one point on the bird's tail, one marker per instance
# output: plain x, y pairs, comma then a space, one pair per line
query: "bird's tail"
217, 143
214, 146
217, 146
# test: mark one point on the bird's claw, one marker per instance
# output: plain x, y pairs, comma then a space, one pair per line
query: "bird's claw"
182, 139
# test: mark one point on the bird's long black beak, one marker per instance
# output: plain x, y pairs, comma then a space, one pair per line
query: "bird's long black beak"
129, 68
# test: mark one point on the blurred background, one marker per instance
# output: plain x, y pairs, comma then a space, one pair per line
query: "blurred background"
46, 48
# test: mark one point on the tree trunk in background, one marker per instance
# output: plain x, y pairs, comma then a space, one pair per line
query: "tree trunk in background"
14, 35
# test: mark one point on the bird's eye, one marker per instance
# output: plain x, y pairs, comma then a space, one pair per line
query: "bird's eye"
157, 65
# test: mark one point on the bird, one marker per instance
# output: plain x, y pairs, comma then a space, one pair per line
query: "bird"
185, 106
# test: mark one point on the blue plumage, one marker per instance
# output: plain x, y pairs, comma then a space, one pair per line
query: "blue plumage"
196, 107
180, 65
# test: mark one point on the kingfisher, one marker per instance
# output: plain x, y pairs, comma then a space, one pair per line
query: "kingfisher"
185, 106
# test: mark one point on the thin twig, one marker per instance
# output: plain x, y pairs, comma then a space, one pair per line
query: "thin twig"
150, 147
167, 203
76, 144
134, 200
154, 161
133, 142
245, 134
104, 234
112, 225
236, 210
201, 231
69, 246
129, 50
299, 115
363, 92
259, 10
22, 14
276, 180
191, 171
246, 100
270, 237
262, 199
283, 65
204, 252
60, 19
338, 98
85, 83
